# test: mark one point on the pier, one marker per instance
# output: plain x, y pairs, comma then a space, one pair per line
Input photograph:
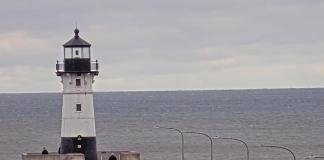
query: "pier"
101, 155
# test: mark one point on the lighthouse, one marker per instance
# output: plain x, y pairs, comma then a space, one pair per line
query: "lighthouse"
77, 72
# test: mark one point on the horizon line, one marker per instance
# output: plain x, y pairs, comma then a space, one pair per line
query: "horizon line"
179, 90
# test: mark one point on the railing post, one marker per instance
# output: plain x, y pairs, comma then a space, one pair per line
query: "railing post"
97, 67
57, 65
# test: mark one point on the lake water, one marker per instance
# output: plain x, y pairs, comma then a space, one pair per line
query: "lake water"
291, 118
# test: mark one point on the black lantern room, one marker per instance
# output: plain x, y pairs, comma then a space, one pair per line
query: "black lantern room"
77, 57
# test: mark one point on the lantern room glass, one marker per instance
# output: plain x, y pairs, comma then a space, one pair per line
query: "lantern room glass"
76, 52
86, 52
67, 52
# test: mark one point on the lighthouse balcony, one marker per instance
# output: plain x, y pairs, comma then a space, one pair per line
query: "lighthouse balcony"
77, 66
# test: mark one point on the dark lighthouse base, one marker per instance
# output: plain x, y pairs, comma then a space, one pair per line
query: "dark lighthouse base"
85, 145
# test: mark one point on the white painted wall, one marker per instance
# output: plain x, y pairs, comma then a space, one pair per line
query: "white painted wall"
69, 82
69, 105
75, 122
75, 127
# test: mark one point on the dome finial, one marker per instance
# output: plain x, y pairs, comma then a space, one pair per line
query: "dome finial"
76, 31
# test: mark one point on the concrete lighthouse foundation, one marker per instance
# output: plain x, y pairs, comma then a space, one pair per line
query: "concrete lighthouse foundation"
101, 155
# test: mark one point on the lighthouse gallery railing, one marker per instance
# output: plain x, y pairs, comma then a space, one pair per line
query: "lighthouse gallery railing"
94, 66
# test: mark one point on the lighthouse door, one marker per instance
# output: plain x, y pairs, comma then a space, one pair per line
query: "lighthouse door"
79, 145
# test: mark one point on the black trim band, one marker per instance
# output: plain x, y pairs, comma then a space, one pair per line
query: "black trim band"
85, 145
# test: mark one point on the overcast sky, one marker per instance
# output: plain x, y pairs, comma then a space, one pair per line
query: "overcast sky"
166, 44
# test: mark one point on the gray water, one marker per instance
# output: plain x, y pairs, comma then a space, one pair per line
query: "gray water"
291, 118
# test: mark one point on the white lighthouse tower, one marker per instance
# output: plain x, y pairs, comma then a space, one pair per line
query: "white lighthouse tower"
77, 71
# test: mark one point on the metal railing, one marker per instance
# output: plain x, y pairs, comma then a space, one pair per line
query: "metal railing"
60, 66
94, 66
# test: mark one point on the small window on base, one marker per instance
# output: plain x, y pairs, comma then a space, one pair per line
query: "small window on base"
78, 82
78, 107
78, 74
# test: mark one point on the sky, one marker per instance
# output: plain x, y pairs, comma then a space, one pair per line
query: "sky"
166, 44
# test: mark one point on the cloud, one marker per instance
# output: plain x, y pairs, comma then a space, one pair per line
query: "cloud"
20, 44
28, 79
170, 44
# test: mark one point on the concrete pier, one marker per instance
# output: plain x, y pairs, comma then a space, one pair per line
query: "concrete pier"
101, 155
120, 155
52, 156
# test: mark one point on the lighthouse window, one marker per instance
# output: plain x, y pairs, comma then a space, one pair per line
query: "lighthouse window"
76, 53
78, 107
78, 82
